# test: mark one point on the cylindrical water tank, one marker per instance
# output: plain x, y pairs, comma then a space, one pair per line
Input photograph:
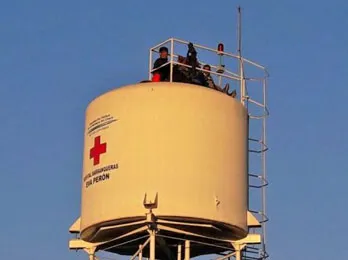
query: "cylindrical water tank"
185, 143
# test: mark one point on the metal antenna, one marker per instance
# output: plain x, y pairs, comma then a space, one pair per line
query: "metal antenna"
239, 32
239, 50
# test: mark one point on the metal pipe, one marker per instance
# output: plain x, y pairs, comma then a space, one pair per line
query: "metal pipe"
239, 51
152, 245
264, 175
160, 44
124, 243
226, 54
238, 255
179, 252
226, 256
150, 64
140, 252
239, 32
200, 242
227, 71
207, 48
171, 59
187, 249
256, 103
256, 65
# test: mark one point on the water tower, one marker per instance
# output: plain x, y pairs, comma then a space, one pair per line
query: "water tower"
170, 167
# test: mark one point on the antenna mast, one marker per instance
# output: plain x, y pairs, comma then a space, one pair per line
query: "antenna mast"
239, 50
239, 32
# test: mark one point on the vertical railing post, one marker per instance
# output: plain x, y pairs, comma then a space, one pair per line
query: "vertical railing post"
150, 63
171, 58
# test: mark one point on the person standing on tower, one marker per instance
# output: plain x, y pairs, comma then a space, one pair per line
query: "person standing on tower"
164, 71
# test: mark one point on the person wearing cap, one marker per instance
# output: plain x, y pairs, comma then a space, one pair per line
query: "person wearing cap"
163, 59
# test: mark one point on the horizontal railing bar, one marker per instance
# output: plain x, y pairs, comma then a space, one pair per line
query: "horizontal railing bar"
255, 140
261, 142
254, 79
256, 103
208, 49
254, 175
226, 54
258, 151
258, 117
201, 62
189, 66
160, 44
259, 186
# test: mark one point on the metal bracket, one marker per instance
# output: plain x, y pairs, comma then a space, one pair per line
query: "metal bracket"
89, 248
148, 204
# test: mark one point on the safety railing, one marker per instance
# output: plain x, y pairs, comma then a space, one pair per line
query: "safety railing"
251, 80
230, 68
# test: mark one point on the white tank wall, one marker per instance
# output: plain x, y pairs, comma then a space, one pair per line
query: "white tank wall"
186, 143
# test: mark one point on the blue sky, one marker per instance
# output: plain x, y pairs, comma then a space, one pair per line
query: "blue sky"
56, 56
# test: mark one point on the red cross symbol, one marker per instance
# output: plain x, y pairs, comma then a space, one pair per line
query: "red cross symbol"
97, 150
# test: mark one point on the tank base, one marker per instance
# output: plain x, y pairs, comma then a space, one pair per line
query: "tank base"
176, 224
165, 237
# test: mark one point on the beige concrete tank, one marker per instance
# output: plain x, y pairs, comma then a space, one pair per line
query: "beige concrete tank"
186, 143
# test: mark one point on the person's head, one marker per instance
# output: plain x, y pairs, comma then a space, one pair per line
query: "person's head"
181, 59
206, 67
163, 51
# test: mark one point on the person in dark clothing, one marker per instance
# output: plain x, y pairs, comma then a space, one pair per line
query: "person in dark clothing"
209, 82
163, 59
180, 72
191, 74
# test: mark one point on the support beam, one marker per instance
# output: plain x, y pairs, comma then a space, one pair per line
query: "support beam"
238, 254
249, 239
140, 257
187, 249
226, 256
140, 250
238, 249
78, 244
152, 245
91, 253
179, 252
